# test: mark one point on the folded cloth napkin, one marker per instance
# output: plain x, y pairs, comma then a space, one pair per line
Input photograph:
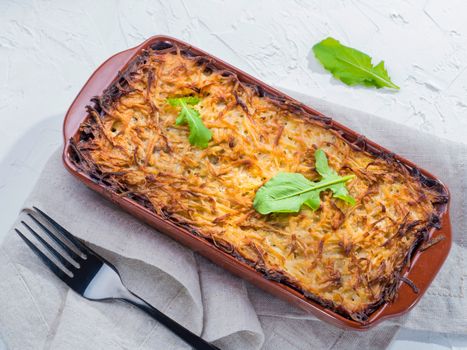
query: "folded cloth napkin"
38, 311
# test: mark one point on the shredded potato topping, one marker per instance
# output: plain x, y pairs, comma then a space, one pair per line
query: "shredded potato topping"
347, 258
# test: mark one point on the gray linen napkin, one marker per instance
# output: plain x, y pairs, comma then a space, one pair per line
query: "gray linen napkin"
38, 311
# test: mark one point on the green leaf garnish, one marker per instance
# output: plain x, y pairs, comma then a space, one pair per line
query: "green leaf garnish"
287, 192
200, 135
350, 65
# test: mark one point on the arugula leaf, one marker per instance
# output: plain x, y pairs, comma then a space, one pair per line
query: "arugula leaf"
189, 100
287, 192
200, 135
350, 65
322, 167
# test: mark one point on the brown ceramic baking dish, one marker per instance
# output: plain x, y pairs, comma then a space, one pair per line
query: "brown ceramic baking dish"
423, 267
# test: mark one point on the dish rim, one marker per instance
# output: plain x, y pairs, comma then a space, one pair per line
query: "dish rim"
404, 301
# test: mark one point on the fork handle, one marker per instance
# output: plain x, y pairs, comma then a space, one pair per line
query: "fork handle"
189, 337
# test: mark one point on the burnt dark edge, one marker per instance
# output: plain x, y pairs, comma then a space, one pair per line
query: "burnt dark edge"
120, 87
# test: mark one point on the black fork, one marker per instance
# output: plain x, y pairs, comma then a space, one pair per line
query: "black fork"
91, 276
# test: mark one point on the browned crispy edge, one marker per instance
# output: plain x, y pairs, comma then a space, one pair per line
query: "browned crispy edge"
120, 87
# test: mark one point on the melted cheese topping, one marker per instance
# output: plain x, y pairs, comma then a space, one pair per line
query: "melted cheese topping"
345, 256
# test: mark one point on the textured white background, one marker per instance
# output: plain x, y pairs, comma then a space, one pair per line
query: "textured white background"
49, 48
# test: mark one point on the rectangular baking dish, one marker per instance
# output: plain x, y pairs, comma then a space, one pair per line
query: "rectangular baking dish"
423, 267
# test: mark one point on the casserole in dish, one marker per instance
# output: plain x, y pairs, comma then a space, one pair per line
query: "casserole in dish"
346, 261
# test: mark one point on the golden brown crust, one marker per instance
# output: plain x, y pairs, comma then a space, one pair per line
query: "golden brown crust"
348, 258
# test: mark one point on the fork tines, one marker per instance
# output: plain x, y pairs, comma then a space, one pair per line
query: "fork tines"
75, 250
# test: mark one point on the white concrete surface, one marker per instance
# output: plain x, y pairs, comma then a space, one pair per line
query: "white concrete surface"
49, 48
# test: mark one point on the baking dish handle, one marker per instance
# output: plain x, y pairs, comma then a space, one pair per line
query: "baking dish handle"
424, 267
74, 116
